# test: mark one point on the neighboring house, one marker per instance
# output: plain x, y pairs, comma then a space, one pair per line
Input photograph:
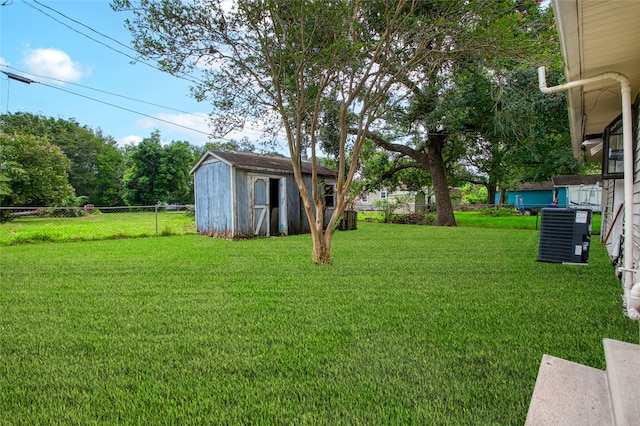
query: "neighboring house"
242, 195
407, 201
569, 191
599, 42
531, 196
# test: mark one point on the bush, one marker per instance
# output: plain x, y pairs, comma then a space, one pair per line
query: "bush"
414, 218
63, 212
498, 211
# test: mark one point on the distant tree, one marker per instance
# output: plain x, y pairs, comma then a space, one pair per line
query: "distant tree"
8, 168
382, 168
158, 173
230, 145
34, 170
97, 164
175, 167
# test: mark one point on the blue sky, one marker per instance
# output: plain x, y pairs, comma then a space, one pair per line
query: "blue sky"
35, 46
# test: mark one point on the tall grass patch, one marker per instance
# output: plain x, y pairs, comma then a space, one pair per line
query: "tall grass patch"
411, 325
97, 226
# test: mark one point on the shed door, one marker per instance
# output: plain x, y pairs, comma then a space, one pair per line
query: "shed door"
260, 205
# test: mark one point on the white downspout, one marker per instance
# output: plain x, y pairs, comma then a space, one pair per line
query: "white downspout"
632, 298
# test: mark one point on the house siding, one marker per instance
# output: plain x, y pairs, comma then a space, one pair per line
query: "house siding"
612, 216
531, 199
636, 187
392, 196
613, 198
608, 212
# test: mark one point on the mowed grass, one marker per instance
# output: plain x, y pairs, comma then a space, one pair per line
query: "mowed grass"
28, 230
101, 226
480, 219
411, 325
514, 221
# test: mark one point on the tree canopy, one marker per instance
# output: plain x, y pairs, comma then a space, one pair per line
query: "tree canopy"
478, 116
158, 173
96, 163
34, 171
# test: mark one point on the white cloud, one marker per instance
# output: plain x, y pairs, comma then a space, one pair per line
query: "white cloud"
130, 140
195, 128
55, 64
194, 125
3, 62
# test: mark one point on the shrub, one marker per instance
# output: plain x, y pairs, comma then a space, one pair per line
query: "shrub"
498, 211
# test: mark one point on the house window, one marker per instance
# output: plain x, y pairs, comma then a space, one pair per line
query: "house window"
383, 195
613, 154
365, 197
329, 196
613, 161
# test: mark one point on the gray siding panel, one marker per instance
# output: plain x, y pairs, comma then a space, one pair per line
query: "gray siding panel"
243, 212
295, 211
636, 190
213, 199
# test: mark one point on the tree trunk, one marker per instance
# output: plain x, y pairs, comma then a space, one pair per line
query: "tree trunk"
444, 208
491, 193
433, 162
321, 254
502, 198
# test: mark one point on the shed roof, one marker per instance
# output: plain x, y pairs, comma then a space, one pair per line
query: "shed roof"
250, 160
567, 180
536, 186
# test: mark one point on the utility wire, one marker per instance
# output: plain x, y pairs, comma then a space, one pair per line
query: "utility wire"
101, 91
125, 109
84, 25
131, 110
133, 58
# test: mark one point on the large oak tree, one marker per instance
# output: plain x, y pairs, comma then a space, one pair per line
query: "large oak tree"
440, 116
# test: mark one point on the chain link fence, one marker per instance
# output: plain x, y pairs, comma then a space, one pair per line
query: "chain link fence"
22, 225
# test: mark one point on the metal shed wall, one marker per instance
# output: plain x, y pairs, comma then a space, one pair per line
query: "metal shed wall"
296, 220
328, 211
214, 211
241, 190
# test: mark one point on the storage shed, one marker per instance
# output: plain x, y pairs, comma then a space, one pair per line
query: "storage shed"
242, 195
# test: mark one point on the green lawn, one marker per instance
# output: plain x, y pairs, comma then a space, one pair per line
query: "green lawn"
101, 226
480, 219
515, 221
411, 325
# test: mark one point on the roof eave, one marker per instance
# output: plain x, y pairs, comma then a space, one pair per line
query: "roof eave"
566, 17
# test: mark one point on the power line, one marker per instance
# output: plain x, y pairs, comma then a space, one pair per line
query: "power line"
129, 109
125, 109
84, 25
133, 58
99, 90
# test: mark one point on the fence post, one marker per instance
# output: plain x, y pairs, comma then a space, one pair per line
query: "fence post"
156, 218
